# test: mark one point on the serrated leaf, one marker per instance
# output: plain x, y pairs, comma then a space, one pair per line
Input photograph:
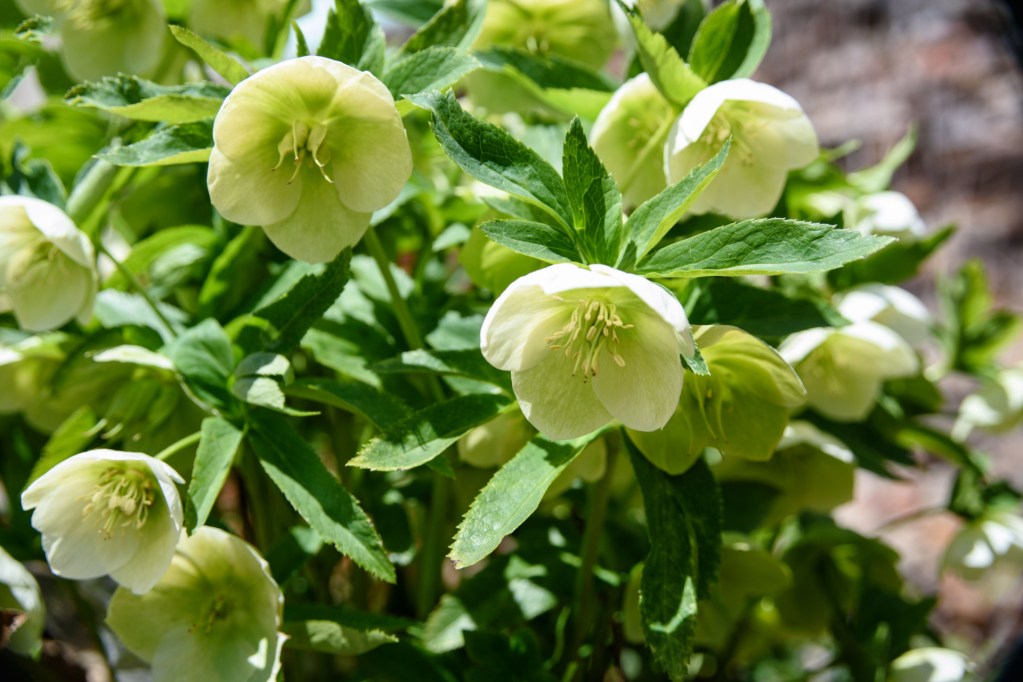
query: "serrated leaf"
456, 25
893, 264
731, 41
763, 246
71, 437
330, 637
425, 434
594, 197
173, 145
536, 240
494, 157
651, 220
292, 314
236, 265
351, 36
203, 357
512, 495
143, 100
433, 68
547, 71
260, 379
668, 71
761, 312
219, 441
468, 363
382, 409
224, 64
317, 495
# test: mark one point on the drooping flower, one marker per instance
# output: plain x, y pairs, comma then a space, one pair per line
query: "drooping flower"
308, 149
629, 136
891, 306
843, 369
19, 592
930, 664
47, 265
106, 512
885, 213
586, 346
996, 406
770, 136
215, 614
106, 37
996, 535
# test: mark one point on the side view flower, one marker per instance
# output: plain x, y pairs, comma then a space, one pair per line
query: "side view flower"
586, 346
308, 149
47, 265
215, 614
996, 535
770, 136
886, 213
106, 512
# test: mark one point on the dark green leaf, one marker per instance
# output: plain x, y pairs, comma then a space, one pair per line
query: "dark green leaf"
731, 41
218, 443
331, 637
594, 197
764, 246
317, 495
185, 143
121, 309
494, 157
433, 68
236, 268
352, 37
535, 240
142, 100
668, 71
547, 71
382, 409
227, 66
204, 358
468, 363
456, 25
148, 251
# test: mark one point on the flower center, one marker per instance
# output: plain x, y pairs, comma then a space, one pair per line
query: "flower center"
122, 498
93, 14
304, 144
740, 125
217, 610
28, 261
593, 327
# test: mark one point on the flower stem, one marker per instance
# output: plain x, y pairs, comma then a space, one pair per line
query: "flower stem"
175, 448
135, 284
405, 320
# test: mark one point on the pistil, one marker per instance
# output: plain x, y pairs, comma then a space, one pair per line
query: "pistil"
593, 327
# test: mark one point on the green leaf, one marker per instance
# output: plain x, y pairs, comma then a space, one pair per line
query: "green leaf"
120, 309
185, 143
763, 246
512, 495
648, 224
236, 268
203, 357
72, 437
352, 37
317, 495
427, 433
456, 25
468, 363
594, 197
684, 525
879, 177
761, 312
731, 41
433, 68
382, 409
668, 71
292, 314
142, 100
546, 71
148, 251
289, 554
893, 264
535, 240
224, 64
260, 379
331, 637
494, 157
218, 443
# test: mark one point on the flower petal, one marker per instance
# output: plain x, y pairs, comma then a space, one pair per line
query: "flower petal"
659, 300
558, 404
249, 191
57, 227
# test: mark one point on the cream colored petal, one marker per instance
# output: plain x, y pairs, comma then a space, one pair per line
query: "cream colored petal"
891, 357
558, 404
320, 227
50, 293
742, 189
58, 229
250, 191
153, 556
661, 302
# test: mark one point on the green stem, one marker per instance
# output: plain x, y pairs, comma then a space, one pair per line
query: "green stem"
596, 513
175, 448
405, 320
135, 284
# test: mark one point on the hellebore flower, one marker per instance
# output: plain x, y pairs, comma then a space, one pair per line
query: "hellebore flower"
930, 664
106, 37
106, 512
588, 346
996, 406
770, 136
994, 536
885, 213
629, 136
19, 592
215, 614
237, 20
893, 307
843, 369
308, 149
47, 265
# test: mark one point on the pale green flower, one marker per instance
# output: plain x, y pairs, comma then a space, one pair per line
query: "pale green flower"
891, 306
19, 591
843, 369
770, 136
629, 136
930, 664
586, 346
237, 20
215, 615
308, 149
47, 265
885, 213
106, 512
106, 37
997, 405
996, 535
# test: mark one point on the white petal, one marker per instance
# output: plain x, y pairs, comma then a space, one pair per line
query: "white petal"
153, 555
892, 357
51, 293
662, 302
742, 190
558, 404
56, 226
797, 346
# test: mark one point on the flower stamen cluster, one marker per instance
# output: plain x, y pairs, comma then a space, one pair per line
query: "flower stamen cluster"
123, 498
601, 322
303, 139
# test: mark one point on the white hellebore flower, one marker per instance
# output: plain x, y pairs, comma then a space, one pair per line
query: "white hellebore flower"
995, 535
892, 306
997, 405
308, 149
586, 346
885, 213
930, 664
843, 369
770, 136
215, 614
106, 512
47, 265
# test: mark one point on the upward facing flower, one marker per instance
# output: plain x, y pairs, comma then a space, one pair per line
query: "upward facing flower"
308, 149
105, 512
47, 265
588, 346
770, 136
